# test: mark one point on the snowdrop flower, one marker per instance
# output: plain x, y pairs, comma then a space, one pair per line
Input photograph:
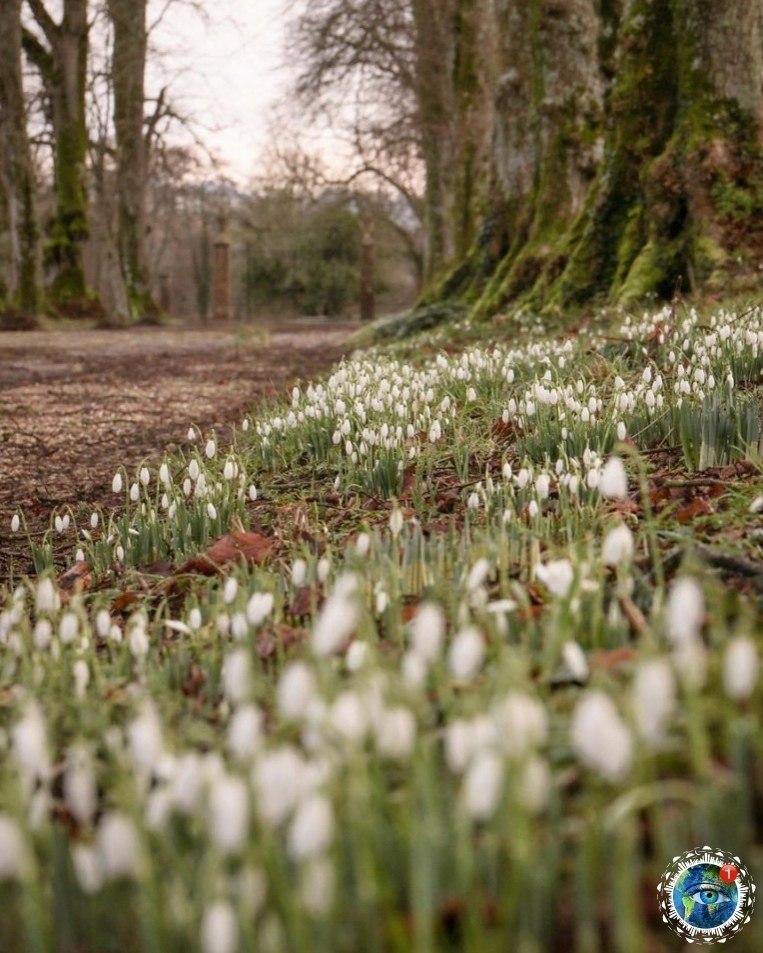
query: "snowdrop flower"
15, 523
382, 601
323, 570
134, 492
120, 553
191, 435
757, 504
414, 669
252, 492
29, 738
338, 617
11, 849
557, 576
211, 511
144, 476
296, 689
575, 659
542, 486
87, 868
230, 590
740, 668
80, 789
478, 574
46, 596
483, 786
228, 813
356, 655
686, 610
316, 887
362, 545
164, 474
460, 744
116, 483
68, 628
473, 503
618, 546
277, 779
349, 717
520, 723
299, 573
466, 654
533, 509
193, 469
622, 431
245, 732
395, 733
219, 929
259, 607
117, 846
211, 449
81, 673
600, 737
236, 676
535, 785
138, 642
653, 699
396, 522
613, 482
43, 633
312, 827
144, 738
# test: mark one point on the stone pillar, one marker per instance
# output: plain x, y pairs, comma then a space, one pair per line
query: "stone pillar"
221, 296
367, 276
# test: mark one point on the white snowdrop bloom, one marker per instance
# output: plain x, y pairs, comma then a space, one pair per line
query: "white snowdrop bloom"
144, 476
211, 449
144, 739
478, 574
356, 656
116, 483
138, 642
435, 432
618, 546
647, 375
87, 868
219, 929
296, 689
542, 486
228, 813
685, 611
236, 676
483, 785
259, 607
522, 478
229, 470
211, 511
79, 556
81, 673
46, 596
349, 718
201, 486
252, 492
164, 474
382, 601
622, 431
575, 659
395, 732
191, 435
134, 492
396, 521
42, 634
312, 827
519, 723
80, 789
653, 698
338, 617
757, 504
299, 572
592, 479
117, 846
535, 785
230, 590
613, 482
94, 520
466, 653
239, 626
460, 744
15, 523
740, 668
103, 623
11, 849
600, 737
245, 732
362, 544
323, 569
278, 779
30, 746
316, 887
68, 628
193, 469
414, 669
557, 576
473, 502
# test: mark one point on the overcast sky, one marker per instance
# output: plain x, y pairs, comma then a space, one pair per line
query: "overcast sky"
230, 72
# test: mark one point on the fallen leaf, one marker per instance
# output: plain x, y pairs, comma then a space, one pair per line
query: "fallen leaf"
124, 600
76, 579
612, 659
301, 604
231, 548
195, 681
694, 508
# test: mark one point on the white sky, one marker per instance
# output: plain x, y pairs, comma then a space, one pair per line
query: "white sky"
225, 69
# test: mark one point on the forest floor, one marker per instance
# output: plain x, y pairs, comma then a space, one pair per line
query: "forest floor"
75, 405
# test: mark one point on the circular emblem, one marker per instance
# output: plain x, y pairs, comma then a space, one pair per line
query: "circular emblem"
706, 895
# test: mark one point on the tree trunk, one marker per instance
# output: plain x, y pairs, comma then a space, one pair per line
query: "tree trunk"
16, 170
63, 68
128, 75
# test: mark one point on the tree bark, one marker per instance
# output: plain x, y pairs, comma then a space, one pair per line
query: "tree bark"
128, 75
16, 170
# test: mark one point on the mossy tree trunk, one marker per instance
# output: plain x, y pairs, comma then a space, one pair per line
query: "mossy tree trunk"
627, 154
16, 170
62, 62
128, 77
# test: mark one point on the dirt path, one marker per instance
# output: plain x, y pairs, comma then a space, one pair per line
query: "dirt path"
76, 405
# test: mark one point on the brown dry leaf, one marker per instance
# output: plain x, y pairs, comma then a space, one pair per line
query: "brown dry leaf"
195, 681
409, 483
694, 508
124, 600
611, 660
301, 604
229, 549
76, 579
505, 431
285, 635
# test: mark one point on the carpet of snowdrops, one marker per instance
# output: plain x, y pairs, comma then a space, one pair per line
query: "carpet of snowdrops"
493, 734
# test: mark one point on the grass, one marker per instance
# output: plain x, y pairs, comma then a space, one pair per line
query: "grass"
492, 665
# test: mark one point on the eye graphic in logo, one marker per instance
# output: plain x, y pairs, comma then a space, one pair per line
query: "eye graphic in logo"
706, 895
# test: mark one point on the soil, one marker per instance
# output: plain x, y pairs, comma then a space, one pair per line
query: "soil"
76, 405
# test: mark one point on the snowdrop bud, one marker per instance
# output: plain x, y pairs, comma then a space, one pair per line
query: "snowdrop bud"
43, 633
396, 522
59, 524
466, 654
356, 656
46, 596
134, 492
30, 745
338, 617
11, 849
533, 509
542, 486
362, 545
187, 486
117, 846
80, 789
535, 785
312, 828
427, 631
252, 492
87, 868
211, 449
15, 523
68, 628
382, 601
245, 732
144, 738
757, 504
236, 676
414, 669
740, 668
622, 431
230, 590
259, 607
228, 813
483, 786
81, 673
600, 737
277, 779
144, 476
653, 699
478, 574
138, 642
229, 470
296, 689
164, 474
617, 547
473, 503
323, 570
349, 717
613, 483
299, 572
575, 659
193, 469
116, 483
557, 576
396, 733
191, 435
79, 556
103, 623
219, 929
211, 511
686, 610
